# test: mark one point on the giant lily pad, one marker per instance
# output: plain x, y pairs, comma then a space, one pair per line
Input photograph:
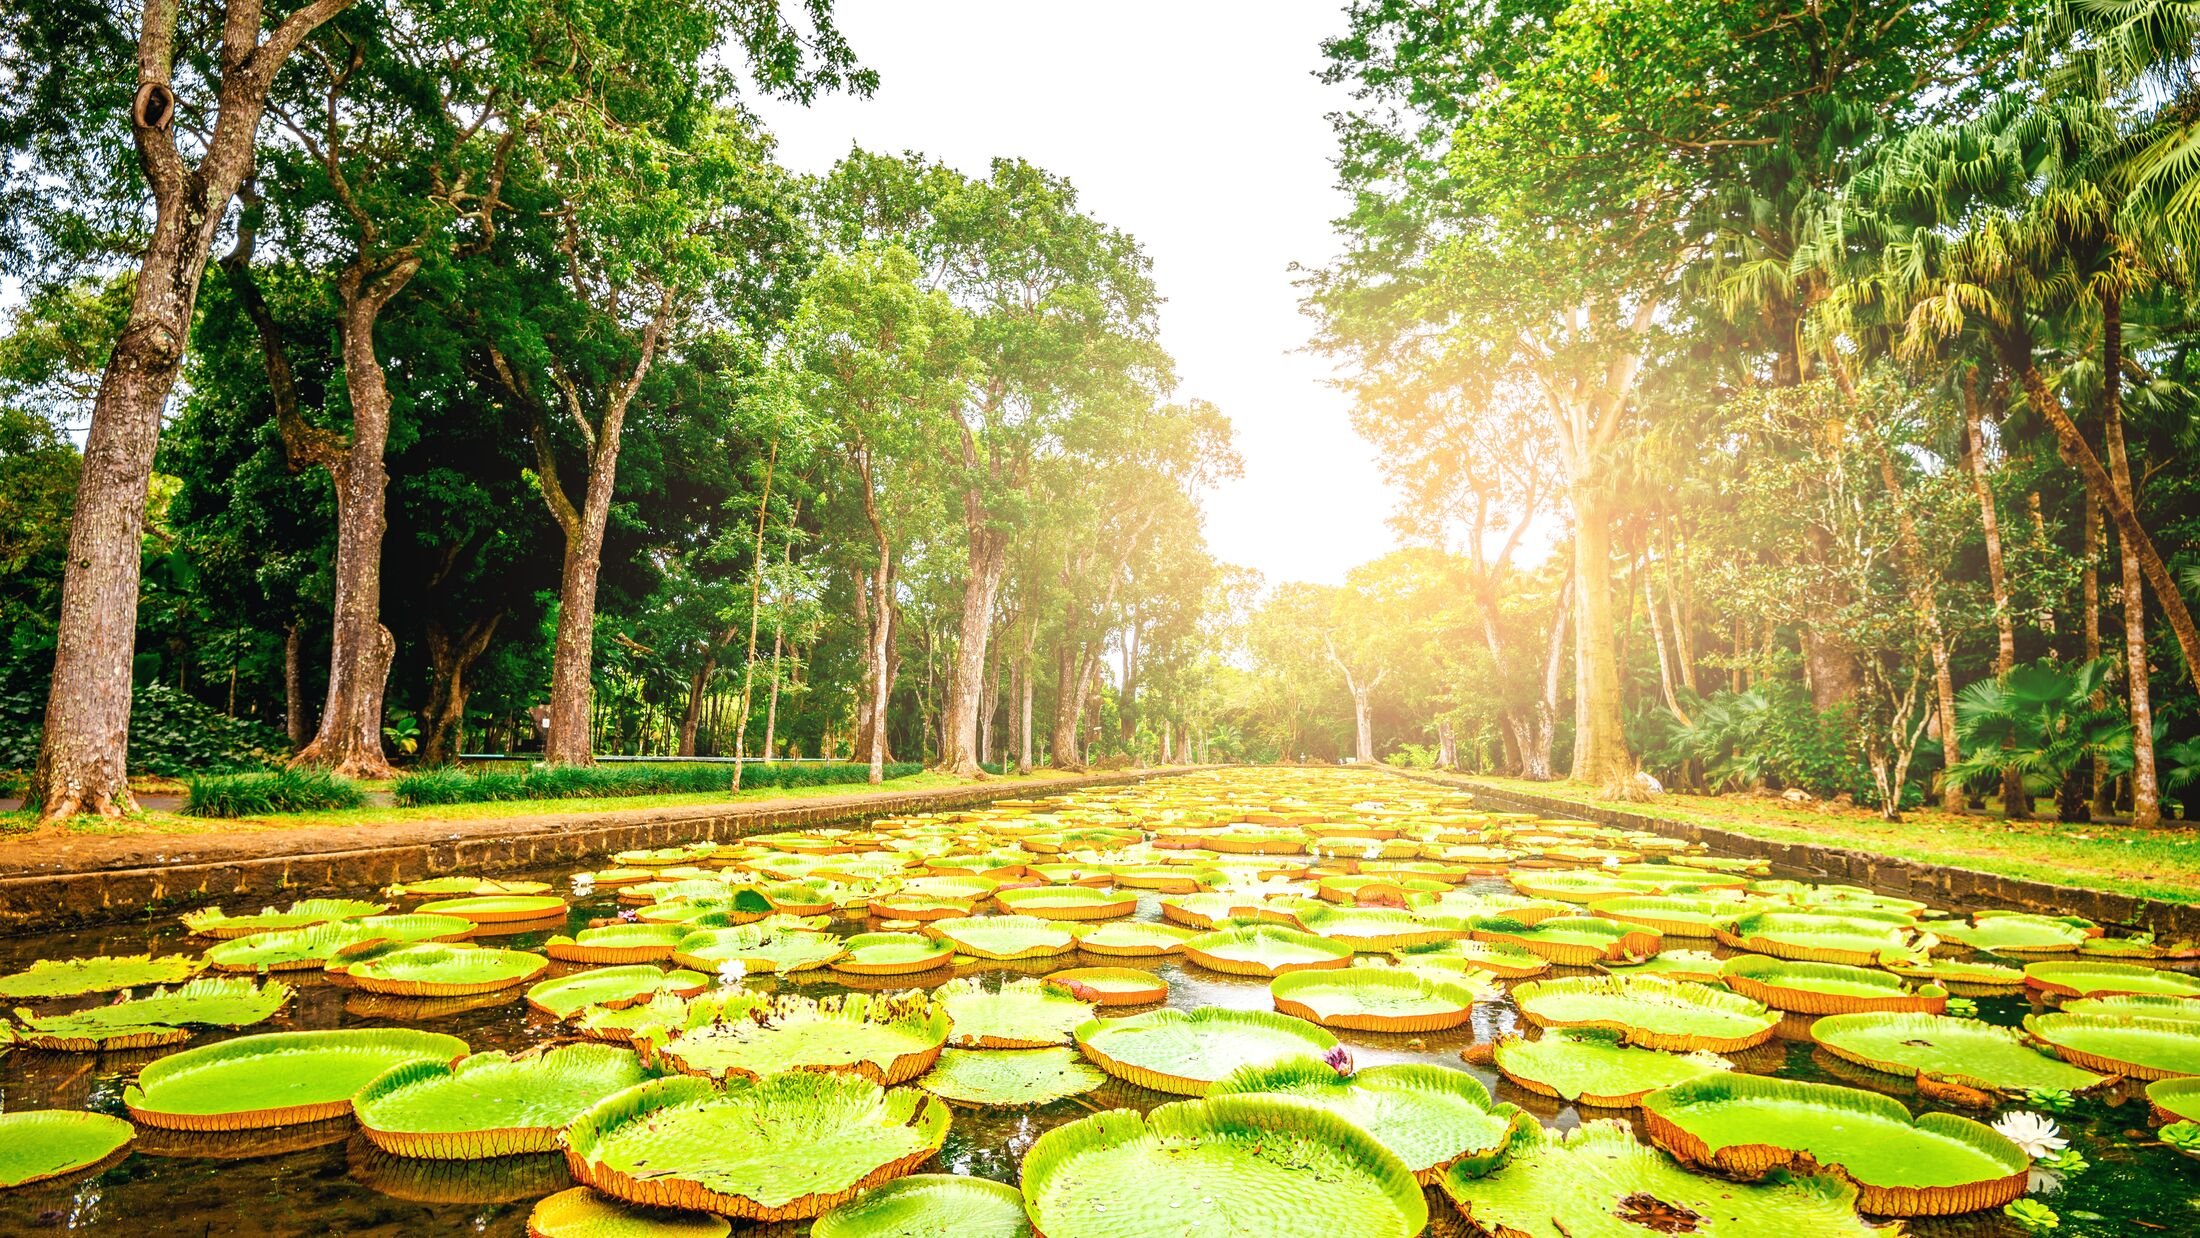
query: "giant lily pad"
1010, 1078
1431, 1116
1375, 999
758, 948
1265, 950
1132, 939
930, 1206
1067, 902
887, 1039
1004, 938
1267, 1165
2135, 1048
1650, 1012
40, 1144
1497, 959
1701, 966
165, 1018
2019, 934
2136, 1006
490, 1104
1937, 1048
1594, 1067
617, 943
449, 887
214, 922
1111, 986
275, 1079
1023, 1013
1673, 917
1749, 1126
613, 987
1856, 939
2175, 1100
497, 908
1379, 928
1573, 941
2087, 979
1185, 1052
1964, 979
289, 949
892, 954
100, 974
446, 971
779, 1148
579, 1212
1597, 1182
1826, 988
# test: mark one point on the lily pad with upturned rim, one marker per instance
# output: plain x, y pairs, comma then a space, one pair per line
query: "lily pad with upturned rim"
1961, 978
1267, 1165
615, 944
1496, 958
578, 1212
930, 1206
2175, 1100
1574, 941
758, 948
2087, 979
780, 1148
98, 974
1379, 928
1133, 939
1374, 999
1650, 1012
490, 1104
1003, 938
447, 971
2018, 934
1432, 1116
1022, 1013
1265, 950
497, 908
892, 954
214, 922
37, 1145
164, 1018
1010, 1078
1067, 902
1961, 1051
1597, 1181
1855, 939
1111, 986
1595, 1067
1185, 1052
2136, 1006
1826, 988
1701, 966
1937, 1164
612, 987
276, 1078
2134, 1048
886, 1039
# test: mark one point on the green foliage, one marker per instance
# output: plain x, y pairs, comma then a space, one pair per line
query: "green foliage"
452, 785
1770, 736
2040, 720
256, 795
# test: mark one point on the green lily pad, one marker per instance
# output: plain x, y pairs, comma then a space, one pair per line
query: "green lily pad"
1375, 999
892, 954
1749, 1126
289, 949
2017, 934
100, 974
758, 948
1265, 950
1067, 902
1673, 917
2177, 1100
446, 971
40, 1144
930, 1206
1963, 1051
1650, 1012
276, 1078
1135, 939
1826, 988
617, 944
497, 908
1023, 1013
2088, 979
1596, 1181
1496, 958
1003, 938
1380, 928
161, 1019
1185, 1052
1111, 986
1964, 979
1268, 1165
614, 987
1855, 938
1573, 941
447, 887
490, 1104
779, 1148
1594, 1067
214, 922
2134, 1048
2136, 1006
1010, 1078
1431, 1116
1701, 966
886, 1039
579, 1212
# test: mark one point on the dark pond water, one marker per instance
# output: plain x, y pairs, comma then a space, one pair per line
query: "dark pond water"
327, 1179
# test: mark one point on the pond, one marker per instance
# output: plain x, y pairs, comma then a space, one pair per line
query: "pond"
327, 1178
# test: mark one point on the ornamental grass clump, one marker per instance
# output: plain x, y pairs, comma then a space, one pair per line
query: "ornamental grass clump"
257, 795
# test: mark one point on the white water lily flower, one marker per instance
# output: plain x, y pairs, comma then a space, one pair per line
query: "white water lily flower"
732, 972
2038, 1136
584, 884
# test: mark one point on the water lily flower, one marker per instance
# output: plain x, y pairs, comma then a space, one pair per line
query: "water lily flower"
732, 971
584, 884
2037, 1135
630, 915
1339, 1059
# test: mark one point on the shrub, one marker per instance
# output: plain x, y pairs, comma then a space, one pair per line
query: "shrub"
171, 733
253, 795
564, 782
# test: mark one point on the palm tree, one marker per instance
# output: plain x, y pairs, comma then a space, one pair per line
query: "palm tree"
2042, 721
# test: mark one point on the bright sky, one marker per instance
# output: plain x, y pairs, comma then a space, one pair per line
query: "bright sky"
1195, 125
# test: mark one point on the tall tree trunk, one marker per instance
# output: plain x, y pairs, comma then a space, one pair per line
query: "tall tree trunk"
2005, 630
2146, 798
1600, 741
1069, 705
1667, 675
1447, 745
990, 697
1126, 708
1363, 729
2096, 538
1024, 676
85, 743
756, 604
294, 687
1535, 750
771, 705
449, 659
691, 716
988, 560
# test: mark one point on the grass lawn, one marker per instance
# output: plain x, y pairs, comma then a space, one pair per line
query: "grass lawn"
2160, 864
177, 823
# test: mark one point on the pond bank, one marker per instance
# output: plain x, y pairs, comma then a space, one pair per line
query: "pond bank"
82, 879
1945, 884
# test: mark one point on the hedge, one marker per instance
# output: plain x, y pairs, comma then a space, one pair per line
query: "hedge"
254, 795
453, 785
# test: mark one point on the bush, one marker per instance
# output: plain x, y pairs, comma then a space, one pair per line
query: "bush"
254, 795
171, 734
452, 785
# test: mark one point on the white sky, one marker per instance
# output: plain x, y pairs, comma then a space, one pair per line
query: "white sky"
1197, 127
